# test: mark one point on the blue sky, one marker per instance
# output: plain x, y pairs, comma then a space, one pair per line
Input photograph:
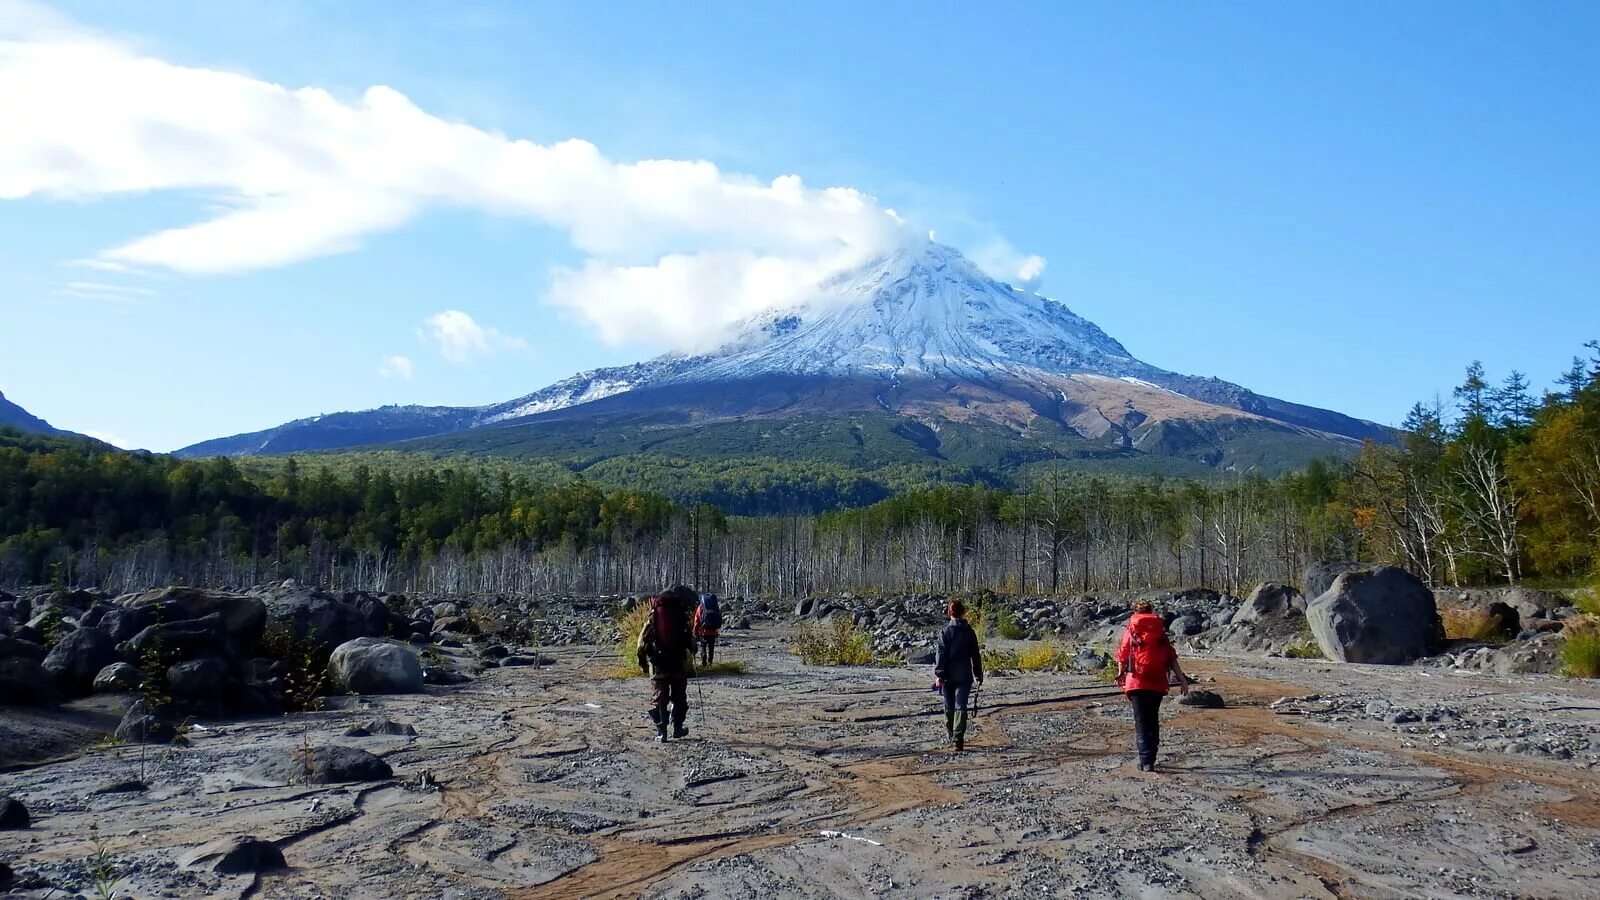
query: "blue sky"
1337, 204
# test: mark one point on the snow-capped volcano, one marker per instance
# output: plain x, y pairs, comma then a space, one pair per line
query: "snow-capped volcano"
920, 333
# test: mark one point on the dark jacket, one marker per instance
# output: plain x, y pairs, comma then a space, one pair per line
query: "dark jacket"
958, 659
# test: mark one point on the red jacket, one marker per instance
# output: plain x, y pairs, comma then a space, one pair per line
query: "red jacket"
1145, 654
698, 630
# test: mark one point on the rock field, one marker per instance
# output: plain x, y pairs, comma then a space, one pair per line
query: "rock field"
1316, 780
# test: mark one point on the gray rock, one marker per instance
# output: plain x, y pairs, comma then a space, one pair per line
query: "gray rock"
445, 610
146, 724
182, 640
1271, 602
13, 815
918, 656
321, 765
319, 617
441, 675
242, 617
237, 856
78, 657
1376, 616
11, 647
1319, 576
1202, 698
1187, 625
25, 682
117, 678
371, 666
198, 679
387, 727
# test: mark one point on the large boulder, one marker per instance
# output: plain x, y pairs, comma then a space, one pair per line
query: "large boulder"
319, 617
1383, 615
236, 856
77, 657
11, 647
242, 618
183, 640
13, 815
25, 682
1319, 576
203, 679
145, 723
117, 678
321, 765
1271, 602
371, 666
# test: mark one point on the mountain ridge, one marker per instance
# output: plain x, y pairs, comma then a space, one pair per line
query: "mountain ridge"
920, 333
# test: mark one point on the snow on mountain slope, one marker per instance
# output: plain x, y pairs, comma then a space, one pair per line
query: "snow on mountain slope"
924, 324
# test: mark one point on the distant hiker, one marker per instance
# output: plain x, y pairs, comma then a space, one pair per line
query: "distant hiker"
707, 625
666, 654
957, 664
1145, 659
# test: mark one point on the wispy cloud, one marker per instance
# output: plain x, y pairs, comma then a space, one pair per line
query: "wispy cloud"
111, 439
96, 290
1002, 261
674, 248
461, 339
396, 367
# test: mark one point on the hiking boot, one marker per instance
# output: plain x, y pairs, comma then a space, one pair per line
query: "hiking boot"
680, 731
960, 745
1147, 767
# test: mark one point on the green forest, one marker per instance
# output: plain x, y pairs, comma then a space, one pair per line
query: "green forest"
1500, 485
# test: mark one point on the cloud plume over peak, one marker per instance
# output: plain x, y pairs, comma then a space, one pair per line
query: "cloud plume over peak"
674, 248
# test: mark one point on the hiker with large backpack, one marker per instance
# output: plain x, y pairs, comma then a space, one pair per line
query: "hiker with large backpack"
666, 654
707, 625
957, 664
1145, 659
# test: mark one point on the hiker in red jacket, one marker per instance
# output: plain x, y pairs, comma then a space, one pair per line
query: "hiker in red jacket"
707, 625
1145, 659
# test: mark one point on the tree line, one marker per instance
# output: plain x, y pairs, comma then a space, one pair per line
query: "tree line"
1498, 486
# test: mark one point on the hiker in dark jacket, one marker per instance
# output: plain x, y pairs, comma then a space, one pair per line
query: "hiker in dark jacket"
666, 654
957, 664
1145, 661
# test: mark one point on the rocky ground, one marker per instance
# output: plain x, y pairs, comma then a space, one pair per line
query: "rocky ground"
1319, 779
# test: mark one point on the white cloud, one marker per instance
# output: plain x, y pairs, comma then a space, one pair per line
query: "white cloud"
1002, 261
673, 248
111, 439
97, 290
396, 367
460, 339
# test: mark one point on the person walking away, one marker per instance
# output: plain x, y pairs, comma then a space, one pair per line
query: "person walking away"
957, 664
707, 625
1145, 659
666, 654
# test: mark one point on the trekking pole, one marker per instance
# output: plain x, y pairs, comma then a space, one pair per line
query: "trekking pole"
700, 701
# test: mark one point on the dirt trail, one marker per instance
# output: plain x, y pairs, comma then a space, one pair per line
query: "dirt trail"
835, 783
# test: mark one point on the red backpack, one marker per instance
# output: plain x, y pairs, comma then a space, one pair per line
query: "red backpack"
670, 626
1150, 651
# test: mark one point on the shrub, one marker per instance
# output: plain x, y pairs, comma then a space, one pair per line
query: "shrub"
731, 667
1304, 648
1044, 656
1007, 626
1580, 654
307, 660
840, 643
1467, 623
997, 660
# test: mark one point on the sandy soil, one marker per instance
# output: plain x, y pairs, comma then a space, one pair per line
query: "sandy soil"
835, 783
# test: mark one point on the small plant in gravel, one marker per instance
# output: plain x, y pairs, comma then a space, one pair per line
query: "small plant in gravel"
997, 660
839, 643
101, 866
307, 678
730, 667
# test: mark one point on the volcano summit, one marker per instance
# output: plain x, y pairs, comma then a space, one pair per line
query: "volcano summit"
915, 357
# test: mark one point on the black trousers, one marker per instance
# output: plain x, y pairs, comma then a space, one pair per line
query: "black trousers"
1146, 724
675, 690
708, 649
